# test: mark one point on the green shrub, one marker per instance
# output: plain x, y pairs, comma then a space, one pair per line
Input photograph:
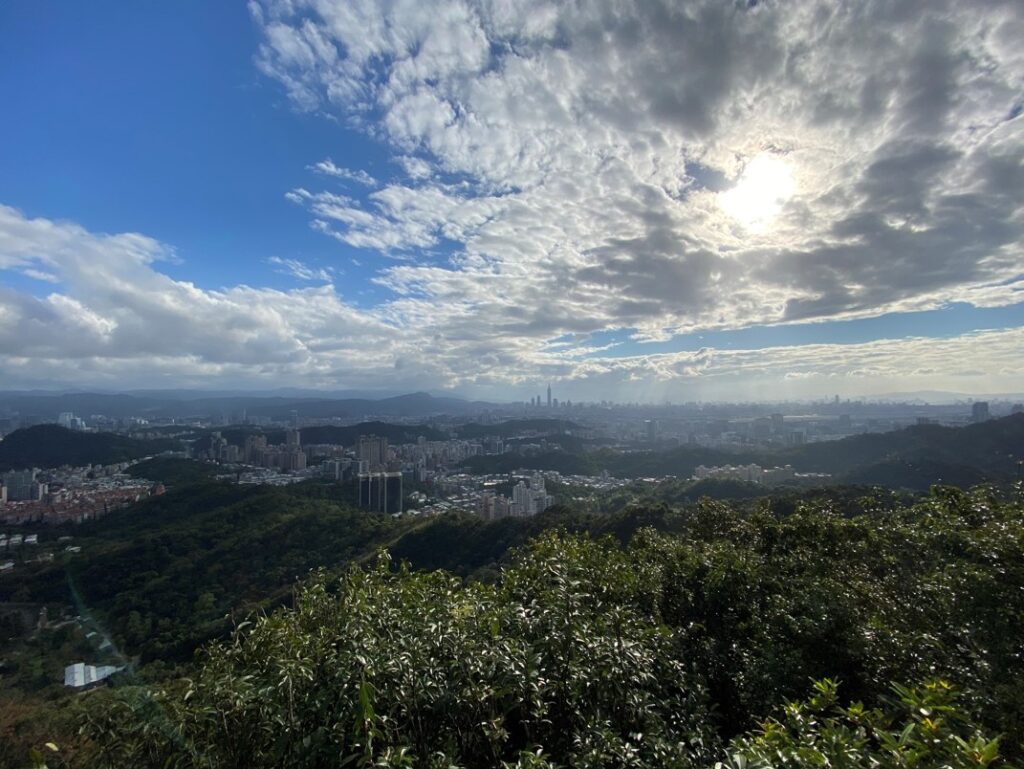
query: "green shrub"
926, 730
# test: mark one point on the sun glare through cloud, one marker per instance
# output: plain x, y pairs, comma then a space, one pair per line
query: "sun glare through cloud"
763, 188
478, 197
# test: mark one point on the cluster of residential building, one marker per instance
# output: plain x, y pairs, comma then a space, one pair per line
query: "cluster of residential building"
380, 470
70, 421
287, 457
528, 498
766, 476
22, 486
517, 494
69, 494
21, 548
12, 546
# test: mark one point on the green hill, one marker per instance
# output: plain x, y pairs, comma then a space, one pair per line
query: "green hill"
165, 574
173, 471
991, 448
914, 458
53, 446
680, 648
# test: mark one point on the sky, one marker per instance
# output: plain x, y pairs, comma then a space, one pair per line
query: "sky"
630, 199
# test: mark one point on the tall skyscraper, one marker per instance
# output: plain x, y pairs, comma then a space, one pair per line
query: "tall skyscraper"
549, 395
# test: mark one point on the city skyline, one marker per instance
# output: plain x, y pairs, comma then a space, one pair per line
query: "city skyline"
639, 203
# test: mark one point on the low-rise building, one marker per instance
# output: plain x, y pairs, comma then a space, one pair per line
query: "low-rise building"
80, 674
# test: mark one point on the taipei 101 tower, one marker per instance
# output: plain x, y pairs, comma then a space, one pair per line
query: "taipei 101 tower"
549, 395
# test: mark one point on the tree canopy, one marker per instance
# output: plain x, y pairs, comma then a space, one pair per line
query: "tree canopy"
679, 648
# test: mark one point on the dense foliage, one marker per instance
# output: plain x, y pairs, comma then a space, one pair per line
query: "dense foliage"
672, 650
993, 447
162, 577
925, 728
54, 446
173, 471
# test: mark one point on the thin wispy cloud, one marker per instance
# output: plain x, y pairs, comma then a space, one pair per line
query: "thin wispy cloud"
327, 167
299, 270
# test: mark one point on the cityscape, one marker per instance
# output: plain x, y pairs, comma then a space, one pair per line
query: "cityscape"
431, 468
512, 384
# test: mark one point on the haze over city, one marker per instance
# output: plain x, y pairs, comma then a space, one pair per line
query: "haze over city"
633, 201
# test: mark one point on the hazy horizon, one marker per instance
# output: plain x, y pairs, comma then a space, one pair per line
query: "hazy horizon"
930, 397
641, 202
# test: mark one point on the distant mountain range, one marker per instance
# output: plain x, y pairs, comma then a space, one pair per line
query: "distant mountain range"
942, 397
183, 404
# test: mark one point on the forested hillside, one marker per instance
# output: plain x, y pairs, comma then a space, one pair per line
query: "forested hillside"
164, 575
667, 643
173, 471
670, 651
913, 458
53, 446
170, 573
992, 447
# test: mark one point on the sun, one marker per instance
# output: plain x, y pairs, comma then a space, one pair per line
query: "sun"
759, 194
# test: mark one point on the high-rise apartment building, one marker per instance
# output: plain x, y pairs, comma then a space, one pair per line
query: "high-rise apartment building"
380, 492
529, 499
19, 484
373, 449
255, 445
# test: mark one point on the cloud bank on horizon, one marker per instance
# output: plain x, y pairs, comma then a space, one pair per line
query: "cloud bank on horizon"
575, 182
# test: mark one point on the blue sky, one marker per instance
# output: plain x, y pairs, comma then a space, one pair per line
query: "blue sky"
525, 212
152, 118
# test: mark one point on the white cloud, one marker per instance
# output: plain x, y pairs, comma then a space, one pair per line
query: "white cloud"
117, 321
593, 141
300, 270
565, 166
415, 168
328, 168
42, 275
